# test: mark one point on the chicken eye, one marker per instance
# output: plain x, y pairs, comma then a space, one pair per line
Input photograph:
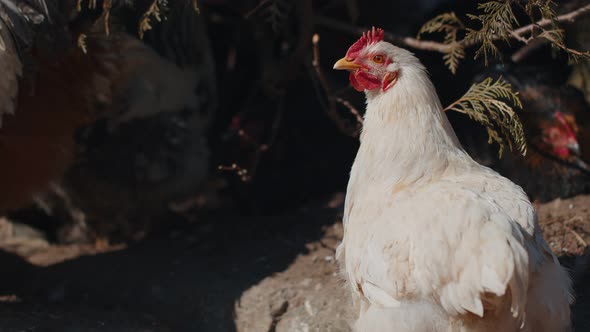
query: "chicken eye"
378, 58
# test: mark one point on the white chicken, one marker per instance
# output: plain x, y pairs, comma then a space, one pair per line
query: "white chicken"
433, 241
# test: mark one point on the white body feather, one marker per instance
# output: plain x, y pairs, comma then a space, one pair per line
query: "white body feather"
434, 241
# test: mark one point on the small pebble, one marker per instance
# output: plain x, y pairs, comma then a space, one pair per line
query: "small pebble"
308, 308
306, 282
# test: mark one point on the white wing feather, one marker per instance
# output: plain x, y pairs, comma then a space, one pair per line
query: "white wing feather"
463, 248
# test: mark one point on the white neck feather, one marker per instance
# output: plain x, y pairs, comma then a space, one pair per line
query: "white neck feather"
406, 135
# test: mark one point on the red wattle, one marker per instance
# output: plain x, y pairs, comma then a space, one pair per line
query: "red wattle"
361, 81
355, 84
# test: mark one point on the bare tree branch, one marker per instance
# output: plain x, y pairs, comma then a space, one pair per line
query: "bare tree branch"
407, 41
257, 8
528, 49
565, 18
332, 99
426, 45
352, 109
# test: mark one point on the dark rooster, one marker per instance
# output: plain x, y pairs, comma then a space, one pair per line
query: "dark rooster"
150, 148
42, 110
553, 117
109, 128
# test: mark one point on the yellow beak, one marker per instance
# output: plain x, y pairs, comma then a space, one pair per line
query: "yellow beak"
344, 64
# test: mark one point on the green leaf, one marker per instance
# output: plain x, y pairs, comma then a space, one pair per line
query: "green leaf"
450, 25
492, 104
497, 21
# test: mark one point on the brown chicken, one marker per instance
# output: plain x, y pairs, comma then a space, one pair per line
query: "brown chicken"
65, 92
76, 138
119, 80
553, 115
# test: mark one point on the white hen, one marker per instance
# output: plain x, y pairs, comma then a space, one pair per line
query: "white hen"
433, 241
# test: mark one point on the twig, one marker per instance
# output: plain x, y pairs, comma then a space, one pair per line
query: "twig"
234, 168
273, 135
520, 38
427, 45
82, 43
144, 23
259, 148
352, 109
572, 220
257, 8
407, 41
106, 10
579, 238
332, 100
453, 104
528, 49
565, 18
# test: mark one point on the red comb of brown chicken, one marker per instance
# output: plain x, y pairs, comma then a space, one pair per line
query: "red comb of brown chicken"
553, 118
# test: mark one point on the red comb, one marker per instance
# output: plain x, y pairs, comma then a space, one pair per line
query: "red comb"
372, 36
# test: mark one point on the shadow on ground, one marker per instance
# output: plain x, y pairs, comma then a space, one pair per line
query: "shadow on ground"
187, 279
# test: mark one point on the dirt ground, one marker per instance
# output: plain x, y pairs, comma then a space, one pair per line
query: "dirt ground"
219, 272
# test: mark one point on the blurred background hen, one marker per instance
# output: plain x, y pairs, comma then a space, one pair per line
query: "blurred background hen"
553, 116
101, 120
